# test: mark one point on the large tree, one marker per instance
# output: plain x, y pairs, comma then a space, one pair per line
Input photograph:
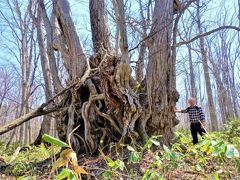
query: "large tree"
99, 104
105, 105
162, 95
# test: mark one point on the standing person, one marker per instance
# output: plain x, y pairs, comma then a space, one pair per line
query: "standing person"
196, 117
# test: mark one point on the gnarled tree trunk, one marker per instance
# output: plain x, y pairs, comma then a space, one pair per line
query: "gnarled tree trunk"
162, 94
103, 104
100, 105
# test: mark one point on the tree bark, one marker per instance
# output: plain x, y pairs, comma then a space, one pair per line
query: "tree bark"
193, 91
50, 52
140, 63
121, 22
234, 95
70, 45
99, 28
220, 91
226, 77
162, 94
143, 47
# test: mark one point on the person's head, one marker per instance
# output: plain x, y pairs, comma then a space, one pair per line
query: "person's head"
192, 101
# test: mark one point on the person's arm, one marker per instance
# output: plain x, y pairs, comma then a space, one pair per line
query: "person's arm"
202, 116
181, 111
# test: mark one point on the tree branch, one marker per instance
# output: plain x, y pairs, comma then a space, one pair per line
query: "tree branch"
206, 34
39, 112
181, 11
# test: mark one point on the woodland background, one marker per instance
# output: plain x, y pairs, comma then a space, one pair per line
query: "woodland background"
207, 57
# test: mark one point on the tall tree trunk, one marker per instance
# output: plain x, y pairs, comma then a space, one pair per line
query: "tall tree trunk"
14, 133
220, 87
25, 86
103, 104
221, 91
50, 51
69, 45
193, 91
204, 57
226, 76
101, 37
228, 97
234, 95
121, 22
143, 46
162, 94
140, 62
46, 124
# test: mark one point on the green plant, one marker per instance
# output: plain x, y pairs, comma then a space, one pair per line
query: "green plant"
66, 174
26, 178
232, 131
152, 175
218, 149
134, 156
54, 141
115, 165
107, 175
213, 158
172, 158
67, 157
150, 142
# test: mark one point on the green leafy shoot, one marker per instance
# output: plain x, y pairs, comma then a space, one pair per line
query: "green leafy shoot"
66, 174
54, 141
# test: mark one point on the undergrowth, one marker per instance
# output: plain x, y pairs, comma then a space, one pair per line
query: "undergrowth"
216, 157
27, 161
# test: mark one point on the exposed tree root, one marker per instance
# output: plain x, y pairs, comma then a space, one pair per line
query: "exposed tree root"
105, 106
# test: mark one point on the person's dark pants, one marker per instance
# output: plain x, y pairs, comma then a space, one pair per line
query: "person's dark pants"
196, 128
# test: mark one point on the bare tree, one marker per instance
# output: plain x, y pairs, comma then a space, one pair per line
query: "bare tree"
23, 33
37, 21
212, 109
162, 94
6, 84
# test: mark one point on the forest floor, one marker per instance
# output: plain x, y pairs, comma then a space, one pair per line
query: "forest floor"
214, 157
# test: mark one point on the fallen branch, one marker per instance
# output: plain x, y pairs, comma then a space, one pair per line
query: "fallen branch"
39, 112
15, 154
77, 83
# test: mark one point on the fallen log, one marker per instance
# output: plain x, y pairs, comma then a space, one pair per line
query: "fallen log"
12, 124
